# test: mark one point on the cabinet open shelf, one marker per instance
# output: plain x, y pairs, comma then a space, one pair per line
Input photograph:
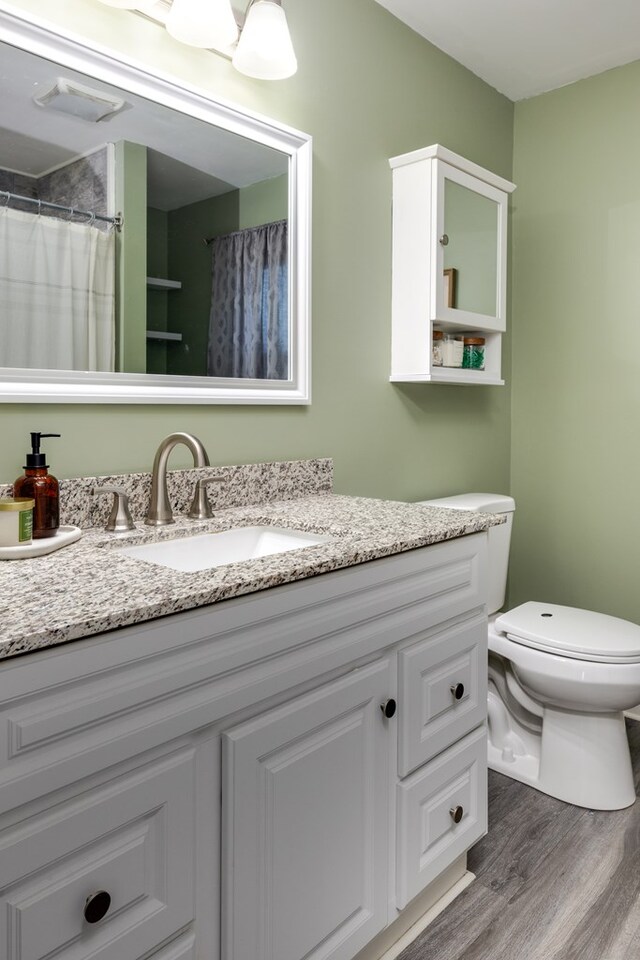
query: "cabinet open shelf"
450, 375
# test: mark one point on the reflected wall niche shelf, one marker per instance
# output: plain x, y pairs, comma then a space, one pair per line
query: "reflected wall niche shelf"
159, 283
163, 335
447, 213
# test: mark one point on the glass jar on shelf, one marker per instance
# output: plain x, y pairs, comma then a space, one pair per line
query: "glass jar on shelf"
452, 350
436, 353
473, 354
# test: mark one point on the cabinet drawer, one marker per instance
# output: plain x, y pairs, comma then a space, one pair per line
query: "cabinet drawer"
429, 839
442, 691
131, 837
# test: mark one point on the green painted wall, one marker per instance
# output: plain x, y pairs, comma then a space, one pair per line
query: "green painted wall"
264, 202
576, 346
131, 257
368, 91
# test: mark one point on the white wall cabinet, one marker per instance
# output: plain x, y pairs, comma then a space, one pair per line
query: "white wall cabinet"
227, 775
448, 214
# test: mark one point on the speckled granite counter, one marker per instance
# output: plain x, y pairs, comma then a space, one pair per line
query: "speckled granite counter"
90, 587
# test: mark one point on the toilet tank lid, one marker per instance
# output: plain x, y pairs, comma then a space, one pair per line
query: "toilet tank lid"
481, 502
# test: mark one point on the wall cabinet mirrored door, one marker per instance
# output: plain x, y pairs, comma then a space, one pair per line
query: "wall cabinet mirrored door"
471, 234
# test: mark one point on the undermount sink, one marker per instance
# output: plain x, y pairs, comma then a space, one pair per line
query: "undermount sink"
207, 550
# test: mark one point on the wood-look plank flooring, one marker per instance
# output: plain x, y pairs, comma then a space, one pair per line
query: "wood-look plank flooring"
554, 882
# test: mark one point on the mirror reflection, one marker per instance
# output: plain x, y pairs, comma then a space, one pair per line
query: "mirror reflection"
195, 283
471, 224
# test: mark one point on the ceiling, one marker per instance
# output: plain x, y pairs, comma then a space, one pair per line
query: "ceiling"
188, 159
526, 47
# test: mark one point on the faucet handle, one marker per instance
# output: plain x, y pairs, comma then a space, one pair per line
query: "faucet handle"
200, 508
120, 518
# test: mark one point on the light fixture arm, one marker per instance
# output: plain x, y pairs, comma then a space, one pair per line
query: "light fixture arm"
243, 19
261, 48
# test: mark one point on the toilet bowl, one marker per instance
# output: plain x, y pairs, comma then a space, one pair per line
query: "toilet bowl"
560, 679
569, 721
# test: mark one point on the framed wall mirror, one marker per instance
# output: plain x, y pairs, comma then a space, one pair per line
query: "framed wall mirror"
154, 242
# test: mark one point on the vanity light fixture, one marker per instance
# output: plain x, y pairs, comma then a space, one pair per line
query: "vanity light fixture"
121, 4
203, 23
264, 49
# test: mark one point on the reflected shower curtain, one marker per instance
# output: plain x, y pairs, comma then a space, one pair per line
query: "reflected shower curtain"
57, 289
249, 321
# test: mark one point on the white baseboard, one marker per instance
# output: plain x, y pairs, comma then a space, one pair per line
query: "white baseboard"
424, 921
414, 931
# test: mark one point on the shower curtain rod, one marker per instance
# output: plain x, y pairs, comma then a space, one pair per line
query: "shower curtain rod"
117, 221
209, 240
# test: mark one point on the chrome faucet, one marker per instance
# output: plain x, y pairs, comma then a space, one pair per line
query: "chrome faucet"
160, 512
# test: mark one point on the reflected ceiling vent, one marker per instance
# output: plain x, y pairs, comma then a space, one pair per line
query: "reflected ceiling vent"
76, 100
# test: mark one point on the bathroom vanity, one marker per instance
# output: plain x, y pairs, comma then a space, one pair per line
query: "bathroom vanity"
254, 762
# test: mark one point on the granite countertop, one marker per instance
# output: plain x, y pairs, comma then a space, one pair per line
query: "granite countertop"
90, 587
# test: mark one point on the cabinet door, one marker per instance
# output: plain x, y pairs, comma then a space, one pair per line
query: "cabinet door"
107, 875
305, 823
471, 238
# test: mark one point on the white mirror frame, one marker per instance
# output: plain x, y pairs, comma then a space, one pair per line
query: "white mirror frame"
37, 386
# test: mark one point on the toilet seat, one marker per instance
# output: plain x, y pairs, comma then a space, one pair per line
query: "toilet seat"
572, 632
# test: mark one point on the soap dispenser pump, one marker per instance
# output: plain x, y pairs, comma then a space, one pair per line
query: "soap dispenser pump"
42, 487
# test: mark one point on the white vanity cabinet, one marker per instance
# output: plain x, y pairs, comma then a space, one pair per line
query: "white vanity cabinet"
274, 777
449, 214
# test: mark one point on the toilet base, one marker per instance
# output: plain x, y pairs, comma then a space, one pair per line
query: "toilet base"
580, 758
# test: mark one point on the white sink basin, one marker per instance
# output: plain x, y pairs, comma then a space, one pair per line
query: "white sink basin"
207, 550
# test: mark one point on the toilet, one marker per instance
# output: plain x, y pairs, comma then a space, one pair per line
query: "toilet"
559, 681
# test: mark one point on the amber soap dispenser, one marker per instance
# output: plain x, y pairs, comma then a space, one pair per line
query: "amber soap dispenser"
38, 484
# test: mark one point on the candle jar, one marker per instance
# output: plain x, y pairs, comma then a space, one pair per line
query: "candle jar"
473, 354
452, 350
16, 521
436, 354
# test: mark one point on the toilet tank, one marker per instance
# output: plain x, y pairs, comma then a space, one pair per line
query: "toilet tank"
499, 537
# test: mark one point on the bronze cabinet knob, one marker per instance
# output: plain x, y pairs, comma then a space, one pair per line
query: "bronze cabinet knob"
388, 708
97, 906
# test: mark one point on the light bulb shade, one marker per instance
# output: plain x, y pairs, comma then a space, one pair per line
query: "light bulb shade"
203, 23
122, 4
265, 50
